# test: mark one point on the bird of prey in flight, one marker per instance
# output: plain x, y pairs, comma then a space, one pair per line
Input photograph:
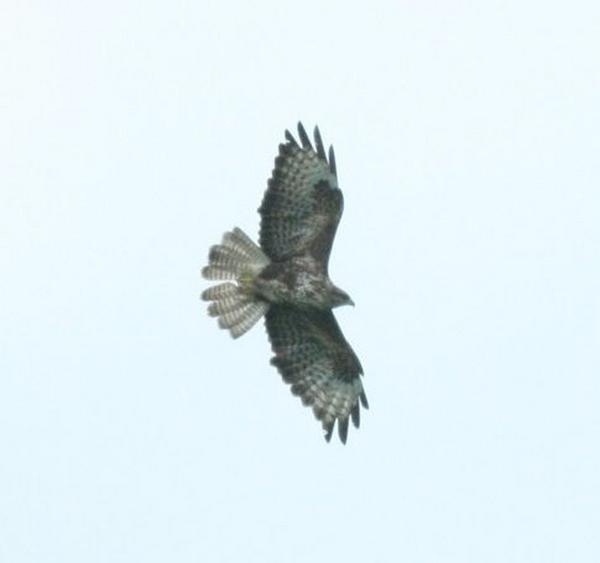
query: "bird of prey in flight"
285, 279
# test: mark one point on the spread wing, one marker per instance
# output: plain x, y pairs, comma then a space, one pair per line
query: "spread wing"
313, 356
302, 206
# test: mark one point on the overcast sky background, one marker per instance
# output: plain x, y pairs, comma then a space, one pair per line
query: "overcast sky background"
132, 135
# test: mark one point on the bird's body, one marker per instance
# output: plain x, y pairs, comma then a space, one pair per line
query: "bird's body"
297, 282
286, 280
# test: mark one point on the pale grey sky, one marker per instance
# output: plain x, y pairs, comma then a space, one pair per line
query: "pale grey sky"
133, 134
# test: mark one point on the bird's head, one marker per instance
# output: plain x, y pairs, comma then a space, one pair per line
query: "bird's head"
340, 297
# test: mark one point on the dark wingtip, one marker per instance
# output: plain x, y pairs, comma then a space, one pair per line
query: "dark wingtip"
343, 429
332, 166
363, 400
290, 138
328, 432
304, 137
319, 144
355, 414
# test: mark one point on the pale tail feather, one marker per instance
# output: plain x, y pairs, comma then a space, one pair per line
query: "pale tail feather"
227, 305
239, 243
220, 291
244, 318
236, 258
249, 319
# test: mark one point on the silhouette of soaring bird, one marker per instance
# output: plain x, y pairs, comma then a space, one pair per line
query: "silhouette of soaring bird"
285, 279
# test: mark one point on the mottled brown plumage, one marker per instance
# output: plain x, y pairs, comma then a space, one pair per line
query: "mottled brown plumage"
313, 356
303, 205
286, 280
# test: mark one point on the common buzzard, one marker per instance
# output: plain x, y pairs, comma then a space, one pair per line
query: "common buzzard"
286, 280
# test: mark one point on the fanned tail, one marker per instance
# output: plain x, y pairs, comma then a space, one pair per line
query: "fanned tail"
237, 258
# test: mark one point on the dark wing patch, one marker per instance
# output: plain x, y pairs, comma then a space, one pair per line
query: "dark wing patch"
303, 205
313, 356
